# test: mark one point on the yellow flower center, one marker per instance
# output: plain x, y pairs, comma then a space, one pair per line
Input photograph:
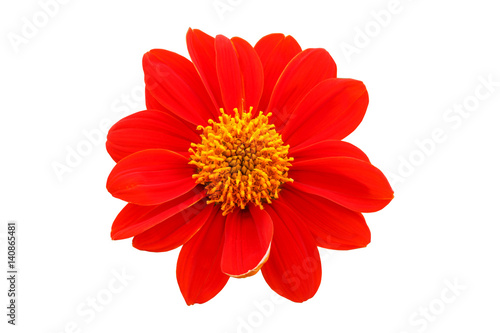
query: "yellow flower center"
240, 159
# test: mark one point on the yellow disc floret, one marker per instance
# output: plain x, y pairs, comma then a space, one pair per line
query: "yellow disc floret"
240, 160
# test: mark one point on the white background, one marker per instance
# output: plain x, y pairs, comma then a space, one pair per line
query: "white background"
83, 64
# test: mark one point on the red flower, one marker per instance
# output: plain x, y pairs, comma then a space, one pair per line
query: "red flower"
239, 158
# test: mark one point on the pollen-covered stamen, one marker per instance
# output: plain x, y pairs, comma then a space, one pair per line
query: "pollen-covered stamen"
240, 159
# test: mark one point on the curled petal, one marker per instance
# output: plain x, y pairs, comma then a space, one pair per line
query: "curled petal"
248, 235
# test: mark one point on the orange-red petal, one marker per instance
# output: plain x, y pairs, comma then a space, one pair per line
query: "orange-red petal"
229, 74
275, 52
331, 110
152, 103
303, 72
350, 182
293, 269
147, 130
248, 235
135, 219
201, 49
332, 226
174, 83
151, 177
266, 45
251, 72
327, 148
199, 275
174, 231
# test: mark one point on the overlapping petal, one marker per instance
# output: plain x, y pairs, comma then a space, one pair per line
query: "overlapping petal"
201, 49
332, 226
331, 110
350, 182
333, 181
148, 130
327, 148
151, 177
303, 72
175, 230
275, 52
293, 269
199, 275
251, 72
248, 235
229, 74
229, 68
135, 219
153, 104
173, 82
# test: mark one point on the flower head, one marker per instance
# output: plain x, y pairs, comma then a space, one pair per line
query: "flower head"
239, 159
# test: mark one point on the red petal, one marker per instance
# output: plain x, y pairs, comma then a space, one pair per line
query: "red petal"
153, 104
229, 74
266, 44
331, 110
304, 71
248, 236
148, 130
173, 81
251, 72
198, 267
352, 183
327, 148
340, 247
275, 52
135, 219
151, 177
332, 226
201, 49
294, 267
174, 231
